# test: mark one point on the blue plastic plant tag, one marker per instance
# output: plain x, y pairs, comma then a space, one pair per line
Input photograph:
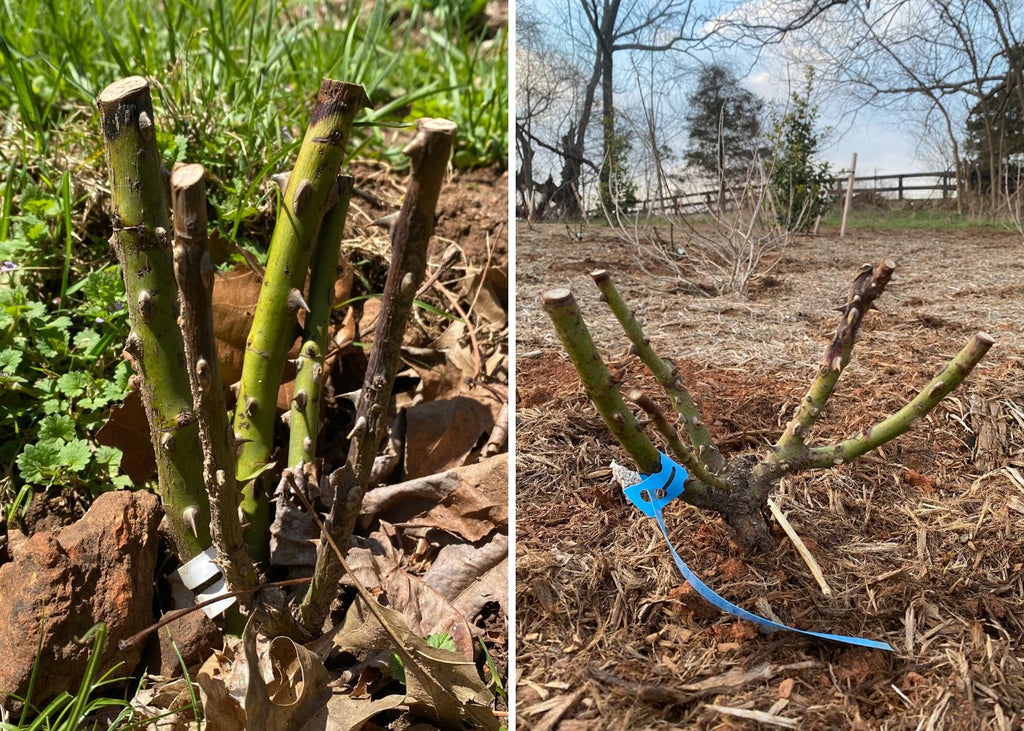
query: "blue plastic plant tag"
655, 491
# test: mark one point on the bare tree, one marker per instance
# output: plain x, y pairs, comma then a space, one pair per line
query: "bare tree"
547, 89
939, 57
595, 32
707, 248
641, 25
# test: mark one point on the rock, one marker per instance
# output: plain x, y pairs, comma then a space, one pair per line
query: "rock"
99, 569
195, 634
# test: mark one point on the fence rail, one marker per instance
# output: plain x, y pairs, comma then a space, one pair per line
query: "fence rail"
943, 182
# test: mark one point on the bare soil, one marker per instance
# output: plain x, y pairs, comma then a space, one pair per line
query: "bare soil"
921, 546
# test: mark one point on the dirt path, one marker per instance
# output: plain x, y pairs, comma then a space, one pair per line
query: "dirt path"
920, 546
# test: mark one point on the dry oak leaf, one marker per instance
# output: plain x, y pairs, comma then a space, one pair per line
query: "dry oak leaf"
235, 294
127, 428
470, 502
441, 434
274, 684
472, 575
376, 564
439, 683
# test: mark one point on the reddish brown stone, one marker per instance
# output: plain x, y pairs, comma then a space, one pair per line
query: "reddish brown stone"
99, 569
196, 636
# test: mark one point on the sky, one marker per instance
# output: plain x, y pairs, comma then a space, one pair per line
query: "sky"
885, 141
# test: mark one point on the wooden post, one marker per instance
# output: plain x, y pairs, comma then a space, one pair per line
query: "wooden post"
849, 195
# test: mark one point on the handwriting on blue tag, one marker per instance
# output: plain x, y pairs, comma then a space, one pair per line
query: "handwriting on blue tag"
655, 491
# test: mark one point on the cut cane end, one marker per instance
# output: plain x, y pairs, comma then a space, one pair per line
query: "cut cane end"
557, 296
437, 125
123, 89
185, 176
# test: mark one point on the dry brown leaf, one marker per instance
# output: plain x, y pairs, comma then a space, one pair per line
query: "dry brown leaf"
345, 335
344, 278
466, 512
439, 683
234, 300
489, 476
298, 684
456, 501
454, 342
471, 576
377, 564
438, 382
401, 503
470, 502
287, 689
221, 708
165, 706
127, 428
441, 434
498, 360
368, 322
345, 713
488, 287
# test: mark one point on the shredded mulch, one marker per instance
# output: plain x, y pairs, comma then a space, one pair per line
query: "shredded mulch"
920, 541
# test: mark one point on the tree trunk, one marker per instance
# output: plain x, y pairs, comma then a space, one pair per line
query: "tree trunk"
567, 198
608, 128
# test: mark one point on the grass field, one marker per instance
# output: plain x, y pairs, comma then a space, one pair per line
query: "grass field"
918, 219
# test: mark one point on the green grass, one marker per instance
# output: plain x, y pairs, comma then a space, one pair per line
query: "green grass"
916, 219
234, 82
70, 712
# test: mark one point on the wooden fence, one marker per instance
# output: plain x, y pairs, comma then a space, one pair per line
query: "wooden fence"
943, 182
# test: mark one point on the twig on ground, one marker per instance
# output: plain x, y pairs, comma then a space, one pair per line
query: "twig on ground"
801, 547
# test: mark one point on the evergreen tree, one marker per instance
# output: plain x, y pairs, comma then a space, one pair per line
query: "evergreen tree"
799, 183
725, 125
619, 193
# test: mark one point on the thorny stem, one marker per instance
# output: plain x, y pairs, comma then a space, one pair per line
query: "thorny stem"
305, 407
696, 468
565, 315
143, 246
176, 614
869, 284
739, 491
666, 375
951, 376
273, 325
194, 271
428, 152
